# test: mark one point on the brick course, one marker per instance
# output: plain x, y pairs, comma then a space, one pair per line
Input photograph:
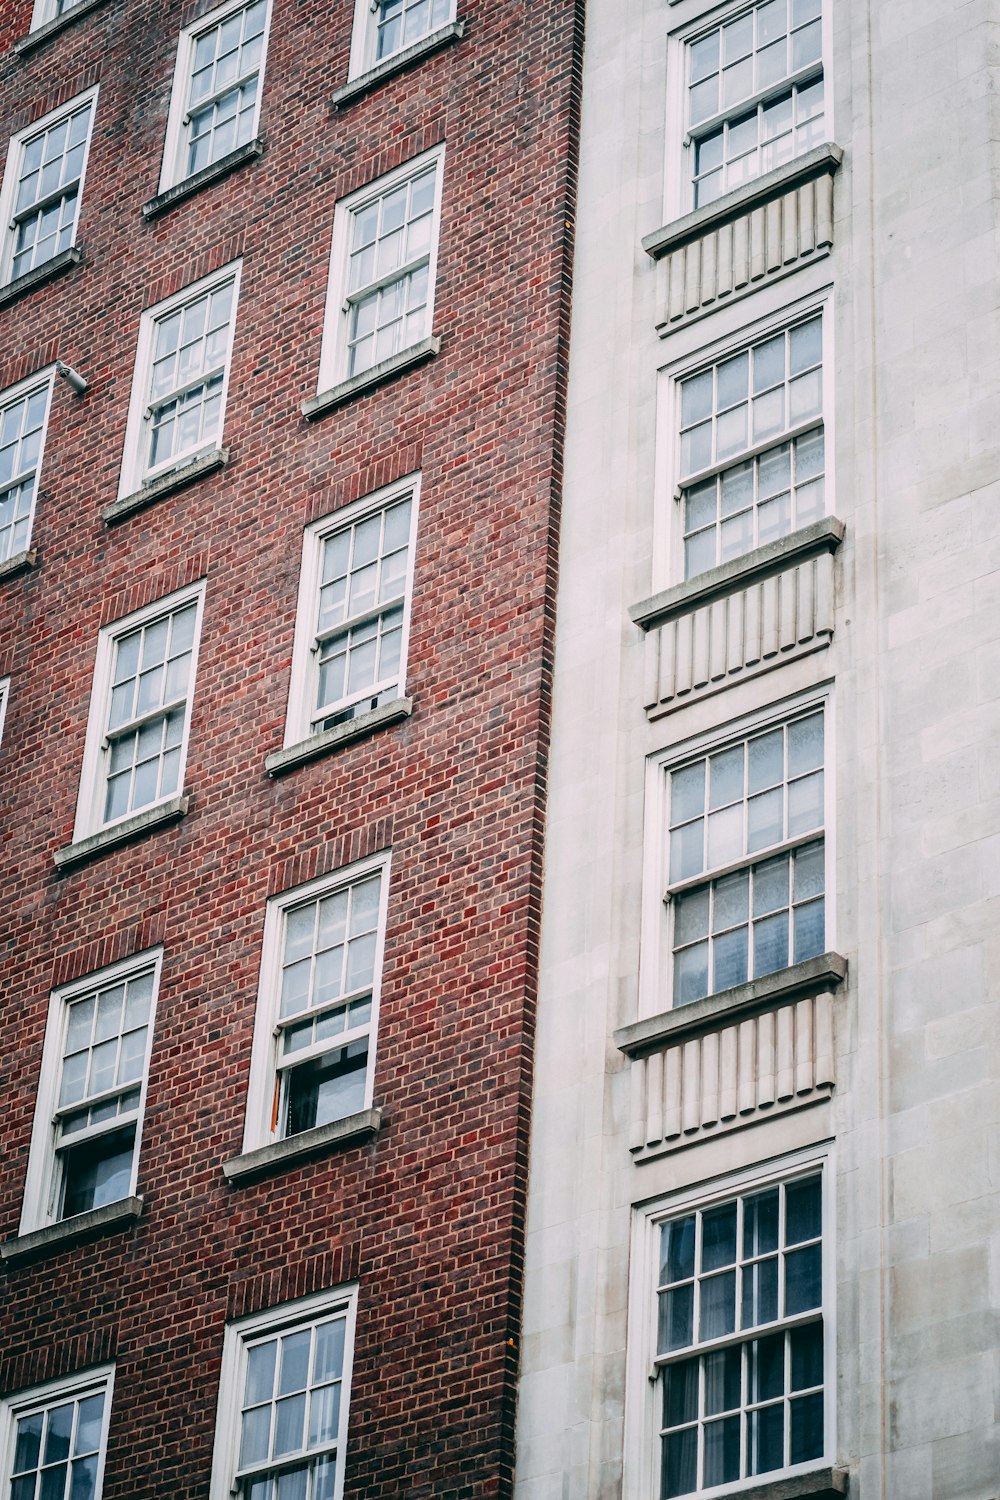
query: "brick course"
429, 1215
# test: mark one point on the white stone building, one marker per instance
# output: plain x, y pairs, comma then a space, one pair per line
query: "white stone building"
764, 1220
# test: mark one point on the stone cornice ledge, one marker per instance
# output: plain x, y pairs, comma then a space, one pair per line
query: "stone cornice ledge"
19, 563
398, 63
72, 855
346, 1132
816, 163
821, 536
216, 169
42, 34
820, 1484
319, 405
341, 734
55, 1237
811, 977
47, 271
166, 484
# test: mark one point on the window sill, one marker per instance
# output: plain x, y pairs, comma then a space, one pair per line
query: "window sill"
64, 261
346, 1132
19, 563
55, 1237
42, 34
821, 536
337, 395
124, 832
165, 484
814, 975
821, 161
821, 1484
397, 63
216, 169
341, 734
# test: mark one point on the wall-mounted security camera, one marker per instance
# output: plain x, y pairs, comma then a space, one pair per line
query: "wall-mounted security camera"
75, 381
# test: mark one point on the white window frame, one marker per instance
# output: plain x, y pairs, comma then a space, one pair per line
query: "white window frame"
10, 397
41, 1182
643, 1388
4, 697
93, 777
134, 471
364, 38
45, 10
656, 977
304, 676
698, 17
175, 144
264, 1084
334, 348
239, 1335
53, 1393
741, 327
12, 170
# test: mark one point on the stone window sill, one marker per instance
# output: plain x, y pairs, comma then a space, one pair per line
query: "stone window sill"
821, 1484
19, 563
398, 63
43, 34
821, 161
821, 536
212, 173
346, 1132
341, 734
56, 1237
337, 395
812, 976
41, 275
165, 484
124, 832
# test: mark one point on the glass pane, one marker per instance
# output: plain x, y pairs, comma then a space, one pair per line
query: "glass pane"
760, 1223
766, 1369
98, 1171
805, 745
770, 885
718, 1237
718, 1306
803, 1210
769, 364
324, 1414
730, 959
260, 1373
696, 399
766, 1440
680, 1393
53, 1483
803, 1280
687, 850
324, 1479
807, 1428
725, 836
722, 1381
676, 1319
690, 917
731, 897
775, 471
29, 1439
704, 55
810, 931
691, 974
677, 1250
767, 761
760, 1293
88, 1424
680, 1463
696, 449
83, 1478
733, 381
292, 1485
809, 871
722, 1451
807, 1357
256, 1436
328, 1358
805, 804
57, 1435
731, 432
289, 1425
765, 820
770, 944
725, 777
294, 1369
737, 489
687, 793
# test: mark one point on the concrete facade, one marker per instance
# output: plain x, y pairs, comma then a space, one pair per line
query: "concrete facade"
894, 233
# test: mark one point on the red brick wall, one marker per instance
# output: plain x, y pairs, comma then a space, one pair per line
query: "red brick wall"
430, 1215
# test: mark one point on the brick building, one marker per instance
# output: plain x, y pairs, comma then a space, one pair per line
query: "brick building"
763, 1249
283, 303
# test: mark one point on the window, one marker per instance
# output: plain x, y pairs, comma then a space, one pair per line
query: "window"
215, 104
752, 461
754, 94
382, 269
314, 1042
24, 413
4, 695
740, 1363
88, 1118
385, 27
353, 621
747, 858
284, 1393
181, 379
54, 1438
43, 185
140, 711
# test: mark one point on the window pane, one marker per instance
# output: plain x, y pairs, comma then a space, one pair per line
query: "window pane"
718, 1306
722, 1451
677, 1250
676, 1318
680, 1463
803, 1280
680, 1393
718, 1238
